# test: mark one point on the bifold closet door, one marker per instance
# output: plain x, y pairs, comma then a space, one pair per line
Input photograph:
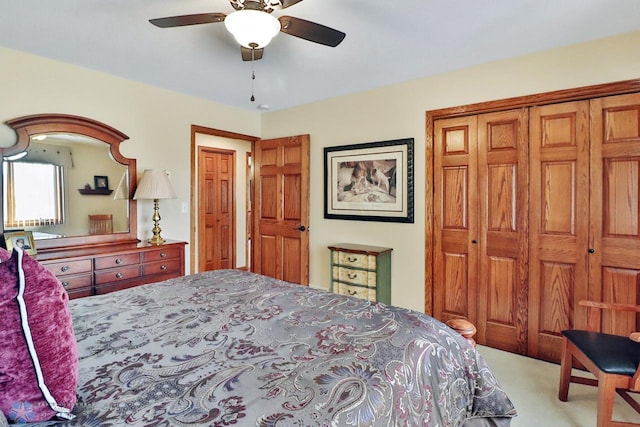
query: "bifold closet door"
480, 225
614, 264
503, 169
559, 219
455, 269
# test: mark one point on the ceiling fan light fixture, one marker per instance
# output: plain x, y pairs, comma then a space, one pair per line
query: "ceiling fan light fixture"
252, 28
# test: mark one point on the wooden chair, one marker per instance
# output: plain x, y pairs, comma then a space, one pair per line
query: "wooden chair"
100, 224
614, 361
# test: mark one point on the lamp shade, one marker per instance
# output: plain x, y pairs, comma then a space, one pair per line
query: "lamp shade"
154, 184
252, 28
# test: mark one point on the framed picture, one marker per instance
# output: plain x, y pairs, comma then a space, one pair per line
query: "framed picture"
20, 239
101, 182
369, 182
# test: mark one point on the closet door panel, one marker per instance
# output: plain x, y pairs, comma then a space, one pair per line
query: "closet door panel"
559, 218
614, 265
503, 206
455, 268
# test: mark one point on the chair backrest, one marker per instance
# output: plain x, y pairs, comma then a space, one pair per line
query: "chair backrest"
100, 224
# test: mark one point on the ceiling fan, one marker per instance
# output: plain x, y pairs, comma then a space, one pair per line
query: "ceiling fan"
253, 26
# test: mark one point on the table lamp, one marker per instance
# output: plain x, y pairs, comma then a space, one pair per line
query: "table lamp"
155, 185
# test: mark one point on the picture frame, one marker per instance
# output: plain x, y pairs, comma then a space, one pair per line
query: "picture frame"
370, 181
22, 239
101, 182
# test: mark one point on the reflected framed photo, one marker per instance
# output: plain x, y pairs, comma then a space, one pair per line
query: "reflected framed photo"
369, 182
101, 182
20, 239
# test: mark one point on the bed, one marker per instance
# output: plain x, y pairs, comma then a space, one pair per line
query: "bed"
235, 348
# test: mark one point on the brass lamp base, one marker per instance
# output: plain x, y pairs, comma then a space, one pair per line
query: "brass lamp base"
156, 239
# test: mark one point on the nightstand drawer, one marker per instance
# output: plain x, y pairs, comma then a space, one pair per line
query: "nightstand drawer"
116, 261
367, 262
357, 291
355, 277
69, 267
117, 274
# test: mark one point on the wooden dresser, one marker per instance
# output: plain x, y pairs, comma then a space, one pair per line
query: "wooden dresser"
102, 269
362, 271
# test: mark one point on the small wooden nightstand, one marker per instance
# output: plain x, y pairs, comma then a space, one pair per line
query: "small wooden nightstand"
362, 271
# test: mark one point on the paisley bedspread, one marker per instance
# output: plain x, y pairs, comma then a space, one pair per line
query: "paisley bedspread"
234, 348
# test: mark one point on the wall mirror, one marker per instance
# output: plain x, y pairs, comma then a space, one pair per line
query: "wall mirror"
62, 170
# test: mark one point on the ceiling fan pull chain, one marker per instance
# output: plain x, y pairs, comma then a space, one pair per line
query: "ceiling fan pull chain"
253, 71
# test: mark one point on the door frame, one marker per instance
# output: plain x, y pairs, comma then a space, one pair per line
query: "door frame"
193, 216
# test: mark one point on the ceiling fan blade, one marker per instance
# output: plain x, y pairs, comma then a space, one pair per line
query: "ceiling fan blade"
287, 3
311, 31
246, 53
182, 20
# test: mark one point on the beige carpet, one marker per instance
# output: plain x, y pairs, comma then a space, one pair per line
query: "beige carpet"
532, 386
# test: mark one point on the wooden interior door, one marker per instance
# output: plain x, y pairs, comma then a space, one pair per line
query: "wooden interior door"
455, 218
614, 241
559, 209
216, 209
281, 209
503, 170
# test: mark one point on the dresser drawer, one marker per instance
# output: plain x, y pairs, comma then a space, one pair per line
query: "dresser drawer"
116, 261
64, 268
161, 267
367, 262
76, 281
117, 274
355, 277
357, 291
161, 254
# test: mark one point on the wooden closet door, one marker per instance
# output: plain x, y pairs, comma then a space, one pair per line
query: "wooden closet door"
503, 171
216, 209
614, 265
455, 264
559, 218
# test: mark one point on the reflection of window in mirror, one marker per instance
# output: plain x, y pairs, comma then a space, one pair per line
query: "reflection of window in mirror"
33, 194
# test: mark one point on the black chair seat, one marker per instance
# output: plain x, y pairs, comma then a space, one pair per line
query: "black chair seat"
612, 354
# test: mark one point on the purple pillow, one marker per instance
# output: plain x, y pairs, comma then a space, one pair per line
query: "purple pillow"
38, 353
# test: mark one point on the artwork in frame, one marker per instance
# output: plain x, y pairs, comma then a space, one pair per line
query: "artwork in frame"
369, 182
101, 182
20, 239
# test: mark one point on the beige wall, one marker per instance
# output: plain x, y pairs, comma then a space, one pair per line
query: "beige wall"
158, 122
398, 111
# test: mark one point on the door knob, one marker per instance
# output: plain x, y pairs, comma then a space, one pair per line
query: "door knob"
301, 228
591, 250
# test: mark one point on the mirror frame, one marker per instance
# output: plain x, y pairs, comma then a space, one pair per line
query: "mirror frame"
27, 126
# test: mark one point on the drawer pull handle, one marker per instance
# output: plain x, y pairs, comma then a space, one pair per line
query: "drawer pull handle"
352, 259
163, 267
118, 261
352, 275
119, 275
163, 255
352, 293
64, 268
65, 284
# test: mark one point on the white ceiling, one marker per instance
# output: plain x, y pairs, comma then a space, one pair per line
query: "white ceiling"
387, 41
